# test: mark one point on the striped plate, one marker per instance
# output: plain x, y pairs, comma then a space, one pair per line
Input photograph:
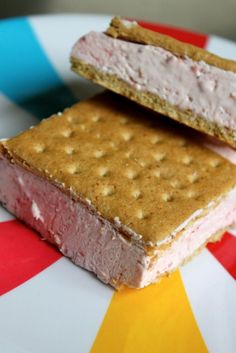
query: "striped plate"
47, 304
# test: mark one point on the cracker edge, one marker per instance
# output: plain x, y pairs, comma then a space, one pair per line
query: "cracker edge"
138, 34
152, 101
213, 239
147, 247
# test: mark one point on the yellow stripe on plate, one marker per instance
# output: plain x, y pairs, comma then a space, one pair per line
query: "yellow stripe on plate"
157, 319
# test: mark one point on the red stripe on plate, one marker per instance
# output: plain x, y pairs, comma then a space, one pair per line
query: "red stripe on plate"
225, 252
23, 254
181, 34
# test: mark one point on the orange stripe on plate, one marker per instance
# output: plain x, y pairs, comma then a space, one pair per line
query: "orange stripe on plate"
157, 319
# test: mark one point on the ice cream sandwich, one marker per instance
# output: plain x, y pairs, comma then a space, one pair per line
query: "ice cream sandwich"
176, 79
121, 193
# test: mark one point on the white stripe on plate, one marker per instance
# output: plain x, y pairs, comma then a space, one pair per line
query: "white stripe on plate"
212, 292
59, 310
13, 119
5, 216
10, 347
232, 231
222, 47
68, 28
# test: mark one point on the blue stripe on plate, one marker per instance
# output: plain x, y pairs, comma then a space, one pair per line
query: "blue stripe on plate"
26, 75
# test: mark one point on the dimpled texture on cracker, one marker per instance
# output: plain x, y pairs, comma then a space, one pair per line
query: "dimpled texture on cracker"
149, 174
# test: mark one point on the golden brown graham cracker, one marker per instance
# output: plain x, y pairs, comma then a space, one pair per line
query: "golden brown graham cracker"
138, 34
149, 174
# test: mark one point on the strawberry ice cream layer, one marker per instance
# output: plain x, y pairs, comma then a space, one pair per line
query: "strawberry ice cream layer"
205, 90
94, 243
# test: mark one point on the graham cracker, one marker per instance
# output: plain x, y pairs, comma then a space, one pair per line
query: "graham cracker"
138, 34
146, 176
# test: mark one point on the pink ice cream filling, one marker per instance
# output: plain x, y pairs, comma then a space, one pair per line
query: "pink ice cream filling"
205, 90
94, 243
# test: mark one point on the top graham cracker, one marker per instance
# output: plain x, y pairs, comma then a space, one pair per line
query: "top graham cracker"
132, 32
146, 174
